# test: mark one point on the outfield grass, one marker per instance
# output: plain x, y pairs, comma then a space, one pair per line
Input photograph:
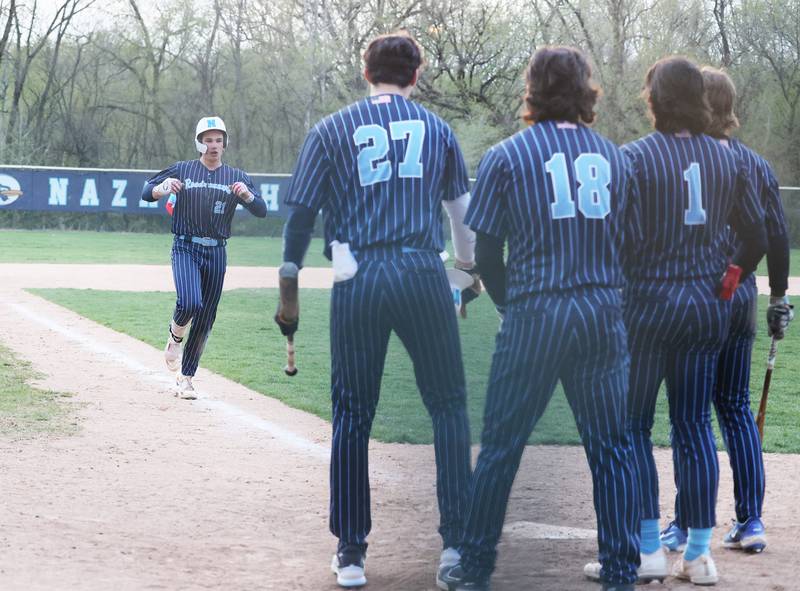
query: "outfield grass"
246, 347
34, 246
27, 411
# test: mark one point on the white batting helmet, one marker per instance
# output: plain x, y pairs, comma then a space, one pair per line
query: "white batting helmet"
208, 124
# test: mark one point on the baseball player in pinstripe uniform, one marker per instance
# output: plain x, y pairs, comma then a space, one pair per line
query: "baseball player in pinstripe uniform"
677, 309
732, 390
206, 195
560, 194
380, 170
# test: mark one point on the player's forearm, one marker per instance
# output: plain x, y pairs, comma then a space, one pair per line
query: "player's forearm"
297, 234
778, 264
463, 236
489, 259
150, 193
752, 246
258, 207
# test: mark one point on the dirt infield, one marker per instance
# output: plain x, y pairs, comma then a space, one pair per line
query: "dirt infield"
230, 491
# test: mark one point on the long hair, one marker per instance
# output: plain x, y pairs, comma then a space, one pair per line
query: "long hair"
721, 96
675, 93
559, 86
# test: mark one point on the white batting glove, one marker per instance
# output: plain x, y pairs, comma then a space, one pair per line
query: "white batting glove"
170, 185
242, 192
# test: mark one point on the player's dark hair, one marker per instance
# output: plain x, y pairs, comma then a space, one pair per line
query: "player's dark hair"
393, 59
559, 86
675, 93
721, 96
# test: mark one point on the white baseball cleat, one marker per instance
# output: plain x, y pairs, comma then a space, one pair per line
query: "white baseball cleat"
653, 567
173, 353
184, 388
447, 559
700, 571
348, 566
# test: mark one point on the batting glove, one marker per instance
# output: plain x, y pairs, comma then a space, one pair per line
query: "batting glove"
288, 327
729, 282
473, 291
779, 314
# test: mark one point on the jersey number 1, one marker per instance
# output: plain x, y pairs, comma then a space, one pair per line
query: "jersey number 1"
375, 142
695, 215
593, 174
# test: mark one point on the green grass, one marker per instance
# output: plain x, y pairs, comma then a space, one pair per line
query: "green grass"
34, 246
244, 325
26, 411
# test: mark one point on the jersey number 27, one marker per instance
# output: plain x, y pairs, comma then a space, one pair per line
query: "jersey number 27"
372, 168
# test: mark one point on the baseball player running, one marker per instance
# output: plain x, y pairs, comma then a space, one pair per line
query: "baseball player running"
206, 195
560, 194
677, 309
732, 389
379, 170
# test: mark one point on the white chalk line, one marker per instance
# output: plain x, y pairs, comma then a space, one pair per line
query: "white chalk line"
522, 529
232, 411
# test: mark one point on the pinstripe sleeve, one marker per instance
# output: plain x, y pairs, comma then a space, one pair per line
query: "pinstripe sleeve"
747, 207
487, 211
456, 180
309, 184
149, 184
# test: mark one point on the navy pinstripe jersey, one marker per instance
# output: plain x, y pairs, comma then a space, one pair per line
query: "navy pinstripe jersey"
559, 193
690, 186
379, 169
206, 204
765, 186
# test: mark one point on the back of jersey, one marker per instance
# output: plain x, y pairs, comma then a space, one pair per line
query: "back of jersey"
558, 192
688, 186
379, 170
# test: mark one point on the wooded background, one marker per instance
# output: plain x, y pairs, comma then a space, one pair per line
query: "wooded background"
121, 83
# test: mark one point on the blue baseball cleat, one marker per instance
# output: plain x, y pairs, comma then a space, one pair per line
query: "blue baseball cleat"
748, 536
673, 538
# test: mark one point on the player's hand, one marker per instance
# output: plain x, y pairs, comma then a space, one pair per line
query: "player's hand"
168, 186
241, 191
288, 328
779, 314
474, 290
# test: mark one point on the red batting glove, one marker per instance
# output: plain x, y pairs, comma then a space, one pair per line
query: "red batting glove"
730, 281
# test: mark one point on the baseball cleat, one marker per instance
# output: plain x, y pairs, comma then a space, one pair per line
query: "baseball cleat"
173, 352
673, 538
653, 567
348, 566
453, 578
184, 388
700, 571
447, 559
748, 536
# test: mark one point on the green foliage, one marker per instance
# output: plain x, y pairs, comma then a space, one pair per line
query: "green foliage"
242, 325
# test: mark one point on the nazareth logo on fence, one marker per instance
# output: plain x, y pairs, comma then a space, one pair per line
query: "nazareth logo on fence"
9, 189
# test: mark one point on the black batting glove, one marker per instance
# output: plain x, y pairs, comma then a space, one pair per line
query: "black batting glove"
473, 291
288, 328
779, 314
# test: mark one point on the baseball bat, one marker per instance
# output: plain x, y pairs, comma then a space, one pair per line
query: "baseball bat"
289, 309
762, 407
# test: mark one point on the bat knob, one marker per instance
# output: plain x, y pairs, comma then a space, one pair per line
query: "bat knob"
290, 371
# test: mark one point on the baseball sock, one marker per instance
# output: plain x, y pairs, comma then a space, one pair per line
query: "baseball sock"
699, 542
649, 533
177, 331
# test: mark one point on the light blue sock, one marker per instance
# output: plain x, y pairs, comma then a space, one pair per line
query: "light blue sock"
699, 543
650, 540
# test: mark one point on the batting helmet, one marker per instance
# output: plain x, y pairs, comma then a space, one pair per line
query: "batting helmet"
208, 124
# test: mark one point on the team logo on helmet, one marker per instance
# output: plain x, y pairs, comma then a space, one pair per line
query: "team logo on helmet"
10, 190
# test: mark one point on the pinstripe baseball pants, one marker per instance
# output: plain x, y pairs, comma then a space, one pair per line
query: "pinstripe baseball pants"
406, 292
578, 338
199, 272
732, 402
675, 333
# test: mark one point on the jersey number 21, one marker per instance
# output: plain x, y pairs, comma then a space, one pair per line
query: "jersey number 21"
372, 168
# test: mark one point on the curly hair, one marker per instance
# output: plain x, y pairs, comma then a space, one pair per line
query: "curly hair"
675, 93
721, 96
393, 59
559, 86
